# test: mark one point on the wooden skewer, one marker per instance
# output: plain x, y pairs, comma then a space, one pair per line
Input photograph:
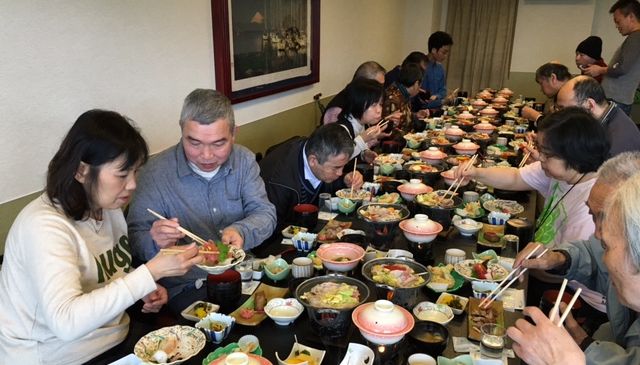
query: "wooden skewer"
507, 277
511, 282
355, 163
568, 310
556, 306
193, 236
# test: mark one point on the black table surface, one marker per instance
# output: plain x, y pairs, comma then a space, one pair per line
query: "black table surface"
274, 338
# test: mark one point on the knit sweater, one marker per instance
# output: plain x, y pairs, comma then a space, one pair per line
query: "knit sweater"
64, 286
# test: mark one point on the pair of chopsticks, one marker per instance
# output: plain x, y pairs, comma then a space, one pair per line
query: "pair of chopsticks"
193, 236
485, 304
177, 251
381, 124
556, 306
459, 180
355, 164
526, 155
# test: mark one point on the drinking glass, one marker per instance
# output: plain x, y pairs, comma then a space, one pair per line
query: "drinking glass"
324, 201
492, 341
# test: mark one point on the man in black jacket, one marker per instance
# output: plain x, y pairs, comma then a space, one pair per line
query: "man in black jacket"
297, 171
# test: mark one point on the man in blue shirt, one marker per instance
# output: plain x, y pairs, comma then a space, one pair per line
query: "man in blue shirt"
205, 183
435, 78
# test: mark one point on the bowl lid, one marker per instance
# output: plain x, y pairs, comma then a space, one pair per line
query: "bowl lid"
466, 115
383, 317
484, 126
488, 110
420, 224
454, 130
479, 102
415, 186
433, 153
466, 145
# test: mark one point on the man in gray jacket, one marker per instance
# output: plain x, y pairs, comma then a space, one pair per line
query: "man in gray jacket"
205, 183
585, 92
617, 341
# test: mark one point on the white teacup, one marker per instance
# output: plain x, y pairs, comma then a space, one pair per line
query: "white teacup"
421, 359
302, 267
454, 255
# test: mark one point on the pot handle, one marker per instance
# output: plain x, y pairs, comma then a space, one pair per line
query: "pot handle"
327, 311
383, 286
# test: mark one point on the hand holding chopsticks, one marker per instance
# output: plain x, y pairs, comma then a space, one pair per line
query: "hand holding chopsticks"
485, 304
459, 180
526, 155
193, 236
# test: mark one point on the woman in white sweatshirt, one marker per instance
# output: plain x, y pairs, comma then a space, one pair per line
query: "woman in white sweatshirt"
67, 276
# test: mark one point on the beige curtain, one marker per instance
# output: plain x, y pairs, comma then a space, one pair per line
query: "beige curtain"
482, 32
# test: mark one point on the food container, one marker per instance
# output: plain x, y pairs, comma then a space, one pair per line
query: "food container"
449, 177
500, 100
382, 322
466, 147
521, 227
482, 289
454, 133
304, 241
484, 127
433, 155
412, 188
340, 256
429, 337
479, 104
420, 229
428, 173
302, 267
454, 255
428, 311
442, 213
466, 115
216, 326
330, 322
277, 270
467, 226
448, 300
405, 297
488, 111
283, 311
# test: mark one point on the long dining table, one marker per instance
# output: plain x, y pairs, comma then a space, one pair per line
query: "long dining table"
279, 339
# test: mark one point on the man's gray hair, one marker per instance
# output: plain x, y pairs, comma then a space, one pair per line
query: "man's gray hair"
618, 169
624, 208
206, 106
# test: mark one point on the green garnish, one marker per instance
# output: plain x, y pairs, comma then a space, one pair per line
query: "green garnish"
224, 251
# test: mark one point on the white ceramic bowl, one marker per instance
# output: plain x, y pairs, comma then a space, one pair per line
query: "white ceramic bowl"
481, 289
421, 359
283, 311
467, 227
382, 322
428, 311
420, 229
412, 188
340, 256
454, 255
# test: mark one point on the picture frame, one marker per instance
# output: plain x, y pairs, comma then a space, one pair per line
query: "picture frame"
263, 47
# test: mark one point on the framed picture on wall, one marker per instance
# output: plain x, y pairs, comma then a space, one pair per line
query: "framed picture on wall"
263, 47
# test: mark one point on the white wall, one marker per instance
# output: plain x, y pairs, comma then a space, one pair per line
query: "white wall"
551, 30
141, 58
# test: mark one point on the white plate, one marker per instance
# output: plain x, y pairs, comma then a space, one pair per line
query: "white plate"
464, 268
504, 206
358, 354
189, 312
238, 256
190, 341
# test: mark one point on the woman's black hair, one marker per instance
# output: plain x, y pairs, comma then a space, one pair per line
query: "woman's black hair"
97, 137
575, 136
361, 94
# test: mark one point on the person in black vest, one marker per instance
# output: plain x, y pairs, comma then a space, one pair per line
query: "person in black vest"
297, 171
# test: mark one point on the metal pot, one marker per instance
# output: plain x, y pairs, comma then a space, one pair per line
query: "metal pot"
405, 297
330, 322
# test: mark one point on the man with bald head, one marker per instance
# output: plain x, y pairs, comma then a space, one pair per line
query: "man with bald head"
586, 92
